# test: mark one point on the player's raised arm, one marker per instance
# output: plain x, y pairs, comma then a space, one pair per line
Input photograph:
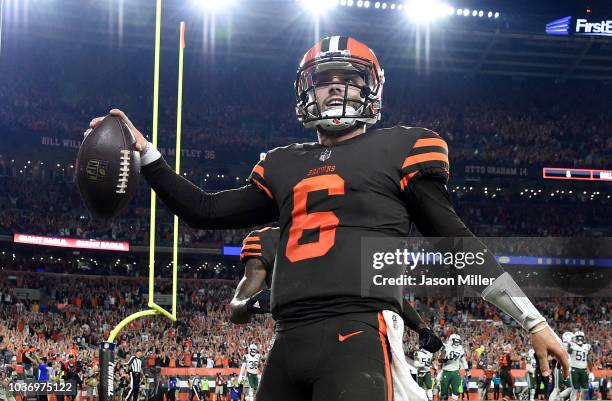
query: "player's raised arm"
236, 208
429, 204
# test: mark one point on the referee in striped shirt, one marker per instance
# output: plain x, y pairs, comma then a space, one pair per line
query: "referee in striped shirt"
135, 371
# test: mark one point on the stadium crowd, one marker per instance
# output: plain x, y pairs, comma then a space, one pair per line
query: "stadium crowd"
52, 206
498, 121
75, 313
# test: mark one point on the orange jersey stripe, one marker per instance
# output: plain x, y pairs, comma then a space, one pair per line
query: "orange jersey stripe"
252, 246
250, 239
263, 188
404, 181
243, 254
382, 332
421, 143
259, 170
425, 157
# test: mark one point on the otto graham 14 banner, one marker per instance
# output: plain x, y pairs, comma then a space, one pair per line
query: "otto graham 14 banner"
71, 242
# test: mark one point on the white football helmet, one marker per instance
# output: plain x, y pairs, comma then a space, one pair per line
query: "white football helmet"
455, 339
253, 349
531, 353
579, 337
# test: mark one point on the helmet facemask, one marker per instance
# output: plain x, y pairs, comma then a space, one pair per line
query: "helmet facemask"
455, 340
356, 76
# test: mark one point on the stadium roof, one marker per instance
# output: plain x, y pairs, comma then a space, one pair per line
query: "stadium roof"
514, 45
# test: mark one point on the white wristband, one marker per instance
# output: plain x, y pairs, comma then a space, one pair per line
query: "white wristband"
507, 296
149, 154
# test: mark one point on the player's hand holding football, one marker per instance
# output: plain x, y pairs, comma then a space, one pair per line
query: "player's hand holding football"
141, 141
545, 342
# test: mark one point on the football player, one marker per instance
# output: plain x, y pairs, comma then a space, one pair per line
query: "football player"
505, 366
562, 387
581, 364
530, 367
453, 359
250, 364
423, 362
354, 182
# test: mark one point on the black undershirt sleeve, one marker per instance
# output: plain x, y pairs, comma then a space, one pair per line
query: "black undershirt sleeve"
432, 212
413, 320
244, 207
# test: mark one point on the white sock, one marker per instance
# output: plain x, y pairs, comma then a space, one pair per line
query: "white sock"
565, 393
554, 395
574, 395
429, 395
532, 394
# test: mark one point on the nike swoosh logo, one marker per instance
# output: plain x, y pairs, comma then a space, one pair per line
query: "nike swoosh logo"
341, 338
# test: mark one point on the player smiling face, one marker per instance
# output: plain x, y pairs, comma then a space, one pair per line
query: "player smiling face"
332, 85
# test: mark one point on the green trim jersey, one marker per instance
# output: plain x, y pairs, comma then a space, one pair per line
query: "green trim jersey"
530, 364
423, 361
453, 358
252, 363
579, 355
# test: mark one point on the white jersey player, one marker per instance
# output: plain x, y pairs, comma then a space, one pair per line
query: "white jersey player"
453, 359
250, 363
423, 361
579, 363
530, 367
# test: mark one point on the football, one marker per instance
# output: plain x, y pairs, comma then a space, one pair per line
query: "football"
108, 168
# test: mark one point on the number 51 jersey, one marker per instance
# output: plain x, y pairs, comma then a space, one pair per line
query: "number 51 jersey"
329, 198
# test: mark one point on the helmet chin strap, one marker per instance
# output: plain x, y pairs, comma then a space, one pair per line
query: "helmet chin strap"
339, 133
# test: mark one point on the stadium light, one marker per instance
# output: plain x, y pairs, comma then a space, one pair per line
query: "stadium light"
459, 11
384, 6
474, 13
426, 11
366, 4
318, 6
215, 5
480, 13
466, 12
377, 5
496, 15
359, 3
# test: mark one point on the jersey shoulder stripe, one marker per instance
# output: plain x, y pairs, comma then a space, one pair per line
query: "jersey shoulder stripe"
425, 153
261, 244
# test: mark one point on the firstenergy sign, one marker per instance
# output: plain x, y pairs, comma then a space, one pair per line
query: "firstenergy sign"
581, 26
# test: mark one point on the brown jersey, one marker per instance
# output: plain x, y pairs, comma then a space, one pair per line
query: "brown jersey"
328, 199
